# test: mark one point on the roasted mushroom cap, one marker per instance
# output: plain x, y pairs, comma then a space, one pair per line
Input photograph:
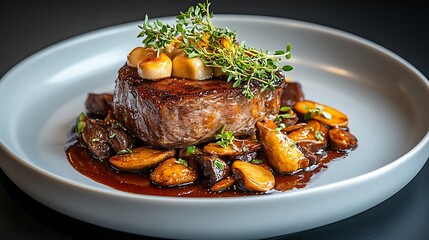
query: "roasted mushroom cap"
244, 150
323, 113
312, 136
342, 140
223, 184
141, 158
174, 172
281, 152
252, 177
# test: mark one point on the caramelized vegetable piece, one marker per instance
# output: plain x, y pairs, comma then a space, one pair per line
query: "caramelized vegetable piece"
280, 150
238, 147
191, 68
173, 172
325, 114
213, 168
223, 184
313, 136
252, 177
137, 54
342, 140
96, 138
293, 127
217, 72
141, 158
172, 50
155, 67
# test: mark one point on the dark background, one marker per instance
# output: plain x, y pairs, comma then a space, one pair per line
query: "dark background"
400, 26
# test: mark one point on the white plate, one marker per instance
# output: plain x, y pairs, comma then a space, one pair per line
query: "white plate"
384, 96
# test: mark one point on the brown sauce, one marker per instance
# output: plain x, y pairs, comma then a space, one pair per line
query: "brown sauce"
139, 182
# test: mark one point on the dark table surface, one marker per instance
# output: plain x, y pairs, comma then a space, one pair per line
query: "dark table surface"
398, 26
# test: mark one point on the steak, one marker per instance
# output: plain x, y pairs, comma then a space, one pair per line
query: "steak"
177, 112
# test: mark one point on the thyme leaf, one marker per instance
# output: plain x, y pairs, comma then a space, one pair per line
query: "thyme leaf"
225, 138
182, 162
217, 47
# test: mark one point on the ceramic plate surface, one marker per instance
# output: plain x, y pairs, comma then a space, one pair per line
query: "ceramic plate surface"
384, 97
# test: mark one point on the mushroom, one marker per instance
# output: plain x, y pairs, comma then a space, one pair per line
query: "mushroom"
140, 158
280, 151
223, 184
325, 114
253, 177
213, 168
238, 150
312, 136
95, 136
174, 172
342, 140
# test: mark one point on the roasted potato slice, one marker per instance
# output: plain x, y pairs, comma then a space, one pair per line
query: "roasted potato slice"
141, 158
280, 150
312, 136
253, 177
325, 114
173, 172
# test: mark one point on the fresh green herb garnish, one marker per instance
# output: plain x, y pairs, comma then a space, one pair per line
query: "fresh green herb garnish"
319, 135
80, 123
190, 150
112, 134
286, 113
281, 126
284, 116
124, 151
182, 162
285, 109
225, 138
256, 161
219, 164
318, 109
217, 47
326, 115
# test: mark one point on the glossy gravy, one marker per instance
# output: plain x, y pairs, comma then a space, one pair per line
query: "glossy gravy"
139, 182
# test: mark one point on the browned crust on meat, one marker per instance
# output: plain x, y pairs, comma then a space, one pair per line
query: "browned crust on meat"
175, 112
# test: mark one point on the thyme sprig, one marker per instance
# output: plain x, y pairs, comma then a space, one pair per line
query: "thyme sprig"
225, 138
217, 47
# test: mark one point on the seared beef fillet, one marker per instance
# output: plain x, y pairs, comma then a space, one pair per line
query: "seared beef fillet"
176, 113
